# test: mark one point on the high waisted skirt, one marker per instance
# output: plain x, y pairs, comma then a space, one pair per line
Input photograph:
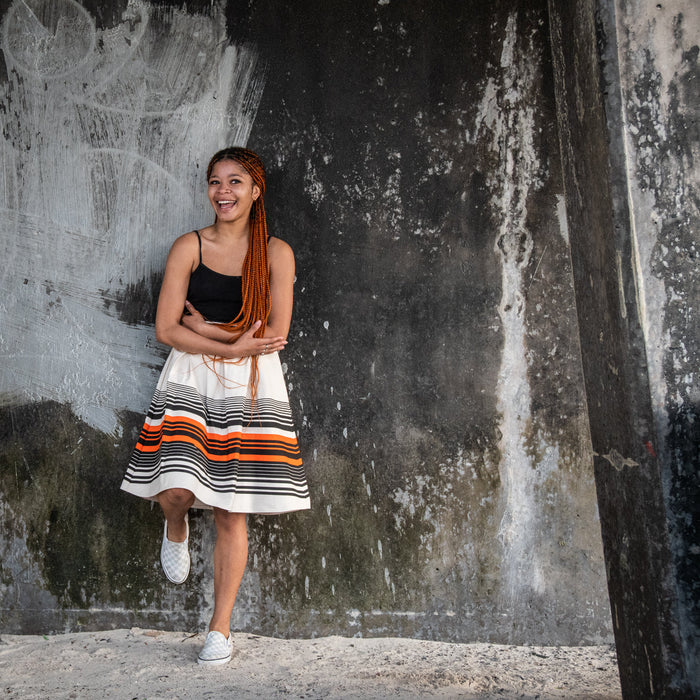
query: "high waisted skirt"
204, 434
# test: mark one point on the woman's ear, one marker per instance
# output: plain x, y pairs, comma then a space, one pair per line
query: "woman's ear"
256, 192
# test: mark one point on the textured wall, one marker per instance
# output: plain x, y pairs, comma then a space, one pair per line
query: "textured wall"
105, 119
657, 50
629, 153
103, 132
434, 365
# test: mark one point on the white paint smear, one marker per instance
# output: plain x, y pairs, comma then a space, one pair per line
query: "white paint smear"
108, 133
506, 117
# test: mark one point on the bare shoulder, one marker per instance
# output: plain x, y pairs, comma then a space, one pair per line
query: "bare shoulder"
280, 253
186, 241
185, 246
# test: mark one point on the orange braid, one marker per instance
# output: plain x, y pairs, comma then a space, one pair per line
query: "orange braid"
256, 274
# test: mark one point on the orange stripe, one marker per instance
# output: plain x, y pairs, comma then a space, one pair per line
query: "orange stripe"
281, 459
243, 440
213, 437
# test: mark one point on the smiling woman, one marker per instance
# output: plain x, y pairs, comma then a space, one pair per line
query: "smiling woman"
231, 190
219, 432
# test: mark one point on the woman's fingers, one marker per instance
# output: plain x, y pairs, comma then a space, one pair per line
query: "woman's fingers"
248, 344
251, 331
191, 309
272, 345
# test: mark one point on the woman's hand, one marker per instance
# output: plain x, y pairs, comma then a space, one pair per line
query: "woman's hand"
193, 320
247, 344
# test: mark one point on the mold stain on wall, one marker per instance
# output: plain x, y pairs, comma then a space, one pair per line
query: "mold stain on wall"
435, 410
75, 551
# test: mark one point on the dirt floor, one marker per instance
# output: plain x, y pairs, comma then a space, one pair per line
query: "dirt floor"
147, 664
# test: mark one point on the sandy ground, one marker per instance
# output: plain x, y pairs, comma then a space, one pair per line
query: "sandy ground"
144, 664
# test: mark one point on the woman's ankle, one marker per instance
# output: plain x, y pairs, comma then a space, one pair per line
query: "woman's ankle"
178, 529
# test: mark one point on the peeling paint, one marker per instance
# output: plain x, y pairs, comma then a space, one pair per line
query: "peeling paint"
615, 459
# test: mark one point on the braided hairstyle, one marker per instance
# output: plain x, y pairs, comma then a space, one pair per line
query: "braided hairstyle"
256, 275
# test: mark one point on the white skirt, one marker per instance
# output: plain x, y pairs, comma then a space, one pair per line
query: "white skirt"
204, 434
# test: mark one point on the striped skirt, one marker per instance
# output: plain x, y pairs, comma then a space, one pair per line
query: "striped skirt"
202, 434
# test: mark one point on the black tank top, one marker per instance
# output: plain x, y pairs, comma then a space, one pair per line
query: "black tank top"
216, 296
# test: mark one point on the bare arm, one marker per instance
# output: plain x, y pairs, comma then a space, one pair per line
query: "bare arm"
171, 302
197, 323
282, 268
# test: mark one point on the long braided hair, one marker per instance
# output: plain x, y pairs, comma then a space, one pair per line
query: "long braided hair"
256, 275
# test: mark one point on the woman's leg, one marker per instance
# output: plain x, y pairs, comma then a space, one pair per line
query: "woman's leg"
175, 504
230, 557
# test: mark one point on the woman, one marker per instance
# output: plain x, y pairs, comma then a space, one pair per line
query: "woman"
219, 432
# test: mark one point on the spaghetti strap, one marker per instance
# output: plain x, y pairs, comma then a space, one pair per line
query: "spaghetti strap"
199, 238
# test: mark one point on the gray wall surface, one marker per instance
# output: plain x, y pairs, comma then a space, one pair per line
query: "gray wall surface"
628, 101
660, 107
434, 367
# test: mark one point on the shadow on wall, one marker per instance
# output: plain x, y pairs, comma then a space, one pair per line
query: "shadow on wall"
683, 486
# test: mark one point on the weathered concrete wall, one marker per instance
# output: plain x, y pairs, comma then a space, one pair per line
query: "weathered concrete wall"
657, 46
105, 131
628, 101
436, 361
434, 365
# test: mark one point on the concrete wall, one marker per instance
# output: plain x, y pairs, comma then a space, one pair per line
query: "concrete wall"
660, 106
627, 93
434, 367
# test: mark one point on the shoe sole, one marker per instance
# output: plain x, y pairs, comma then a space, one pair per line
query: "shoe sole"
214, 662
172, 580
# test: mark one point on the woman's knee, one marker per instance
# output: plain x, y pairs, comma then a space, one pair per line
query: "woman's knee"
230, 523
177, 497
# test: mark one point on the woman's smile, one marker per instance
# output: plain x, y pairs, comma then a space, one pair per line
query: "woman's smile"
226, 204
231, 191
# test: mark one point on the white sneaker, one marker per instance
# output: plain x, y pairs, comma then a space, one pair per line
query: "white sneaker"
175, 556
217, 649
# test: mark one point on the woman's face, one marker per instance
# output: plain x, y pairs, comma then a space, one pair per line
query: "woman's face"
231, 191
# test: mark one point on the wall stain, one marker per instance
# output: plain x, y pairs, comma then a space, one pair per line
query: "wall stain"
136, 303
400, 163
94, 546
662, 90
